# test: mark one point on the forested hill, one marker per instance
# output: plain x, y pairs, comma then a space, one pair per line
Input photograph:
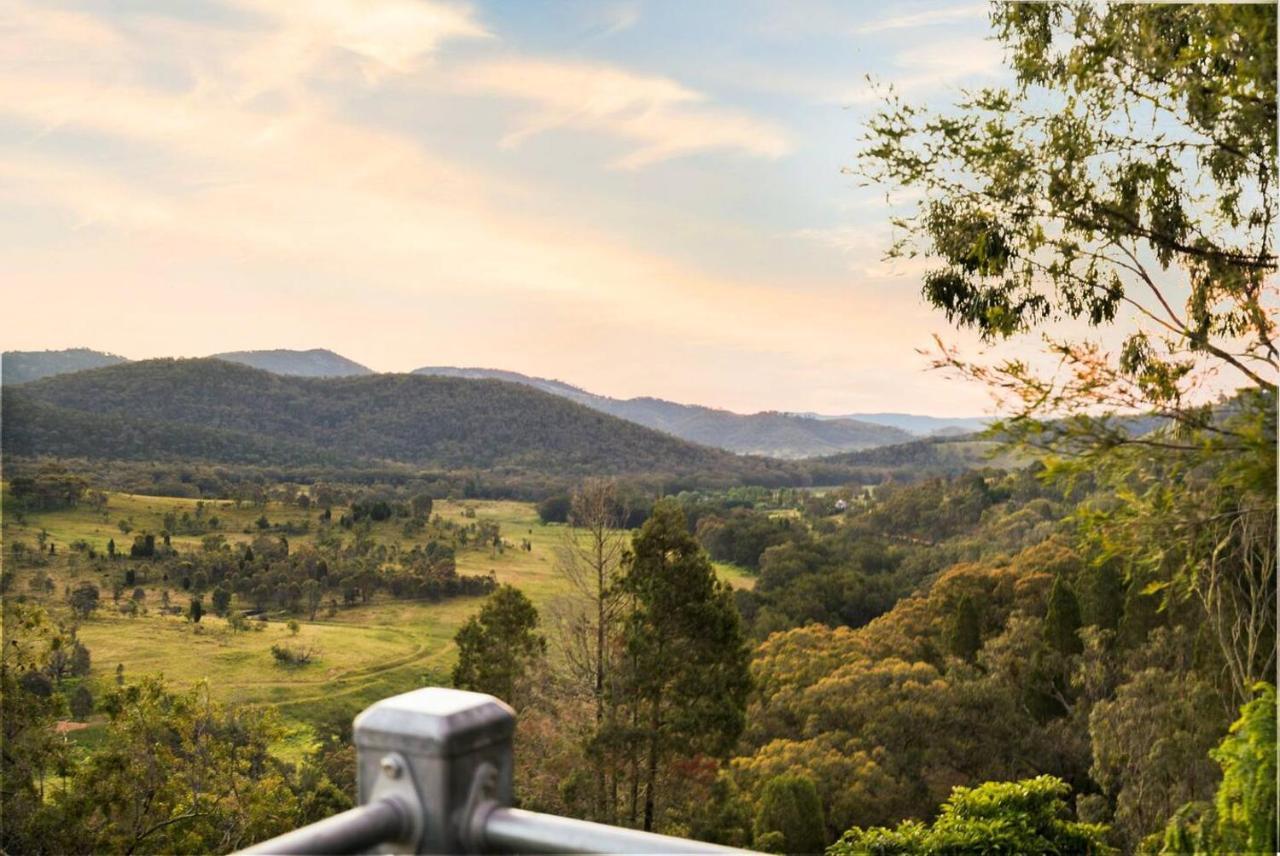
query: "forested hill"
782, 435
317, 362
23, 366
928, 457
216, 411
914, 423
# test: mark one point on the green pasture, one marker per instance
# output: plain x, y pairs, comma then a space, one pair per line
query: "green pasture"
364, 652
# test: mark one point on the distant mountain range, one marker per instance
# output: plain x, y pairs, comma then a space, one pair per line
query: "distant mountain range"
317, 362
221, 412
920, 426
24, 366
772, 434
779, 435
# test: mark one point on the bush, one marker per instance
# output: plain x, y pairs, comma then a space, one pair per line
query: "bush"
1242, 816
84, 599
286, 655
555, 509
995, 817
790, 817
81, 703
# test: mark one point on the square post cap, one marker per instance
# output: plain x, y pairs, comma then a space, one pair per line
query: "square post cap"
434, 722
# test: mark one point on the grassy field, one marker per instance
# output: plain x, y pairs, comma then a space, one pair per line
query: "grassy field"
365, 652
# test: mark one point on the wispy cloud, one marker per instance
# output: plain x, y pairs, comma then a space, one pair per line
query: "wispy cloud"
662, 118
380, 38
864, 249
619, 17
291, 183
934, 66
239, 162
926, 18
952, 59
390, 34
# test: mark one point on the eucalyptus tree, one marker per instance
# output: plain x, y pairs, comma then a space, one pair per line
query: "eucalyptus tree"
1124, 185
1127, 180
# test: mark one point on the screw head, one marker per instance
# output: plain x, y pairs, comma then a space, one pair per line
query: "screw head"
391, 767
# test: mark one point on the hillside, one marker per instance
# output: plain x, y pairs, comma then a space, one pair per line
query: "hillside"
914, 423
216, 411
928, 457
780, 435
317, 362
24, 366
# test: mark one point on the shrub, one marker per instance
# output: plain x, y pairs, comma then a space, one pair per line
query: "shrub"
1029, 816
286, 655
555, 509
81, 703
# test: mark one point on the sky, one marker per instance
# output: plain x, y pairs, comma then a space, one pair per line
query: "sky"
640, 197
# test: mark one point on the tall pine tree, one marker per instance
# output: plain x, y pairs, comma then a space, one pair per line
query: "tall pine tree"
964, 637
499, 645
685, 652
1062, 621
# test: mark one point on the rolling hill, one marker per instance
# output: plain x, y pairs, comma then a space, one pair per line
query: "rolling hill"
317, 362
217, 411
914, 423
780, 435
24, 366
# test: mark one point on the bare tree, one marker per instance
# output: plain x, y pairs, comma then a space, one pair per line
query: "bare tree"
586, 620
1237, 587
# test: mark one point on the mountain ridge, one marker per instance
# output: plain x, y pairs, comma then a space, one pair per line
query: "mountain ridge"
771, 433
215, 410
26, 366
313, 362
914, 423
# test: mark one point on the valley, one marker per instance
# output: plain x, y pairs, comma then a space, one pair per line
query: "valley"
987, 564
364, 652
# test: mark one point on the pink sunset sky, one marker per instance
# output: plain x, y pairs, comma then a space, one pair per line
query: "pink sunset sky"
638, 198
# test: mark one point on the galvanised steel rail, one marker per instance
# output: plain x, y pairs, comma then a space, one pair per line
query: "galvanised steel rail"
434, 776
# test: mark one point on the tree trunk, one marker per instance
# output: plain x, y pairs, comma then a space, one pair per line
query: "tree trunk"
651, 774
601, 757
635, 790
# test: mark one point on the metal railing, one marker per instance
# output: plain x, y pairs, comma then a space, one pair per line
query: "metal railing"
434, 776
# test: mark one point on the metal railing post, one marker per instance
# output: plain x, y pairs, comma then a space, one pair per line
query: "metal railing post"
433, 771
452, 747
